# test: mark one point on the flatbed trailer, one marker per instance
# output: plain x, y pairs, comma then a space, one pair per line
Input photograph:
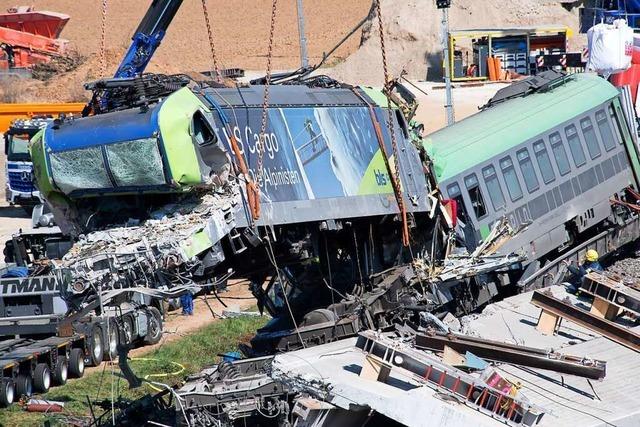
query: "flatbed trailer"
29, 365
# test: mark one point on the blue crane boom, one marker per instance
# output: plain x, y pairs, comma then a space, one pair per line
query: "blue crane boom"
148, 37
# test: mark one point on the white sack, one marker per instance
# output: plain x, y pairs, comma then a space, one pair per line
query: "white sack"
610, 47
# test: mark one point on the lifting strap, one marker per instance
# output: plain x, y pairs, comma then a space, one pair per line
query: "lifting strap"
214, 61
265, 102
395, 174
253, 195
103, 40
395, 184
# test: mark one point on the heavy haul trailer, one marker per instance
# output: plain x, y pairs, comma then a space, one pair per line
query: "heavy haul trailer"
42, 338
29, 365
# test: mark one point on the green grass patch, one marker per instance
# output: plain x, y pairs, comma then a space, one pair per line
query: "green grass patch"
194, 351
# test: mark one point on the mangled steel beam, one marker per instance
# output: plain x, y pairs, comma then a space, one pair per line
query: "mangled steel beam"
606, 328
472, 391
611, 291
231, 391
518, 355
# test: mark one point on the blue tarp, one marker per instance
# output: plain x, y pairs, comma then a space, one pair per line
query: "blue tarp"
15, 272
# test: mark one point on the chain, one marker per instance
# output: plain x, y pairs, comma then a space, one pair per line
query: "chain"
265, 102
394, 143
212, 45
103, 40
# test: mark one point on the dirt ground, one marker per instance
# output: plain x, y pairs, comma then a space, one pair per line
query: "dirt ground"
241, 28
176, 325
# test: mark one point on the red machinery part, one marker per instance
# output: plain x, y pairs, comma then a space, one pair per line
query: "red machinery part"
30, 37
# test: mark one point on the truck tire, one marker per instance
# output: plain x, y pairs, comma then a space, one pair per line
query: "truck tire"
24, 385
76, 362
127, 327
61, 371
7, 392
96, 346
154, 326
111, 350
42, 378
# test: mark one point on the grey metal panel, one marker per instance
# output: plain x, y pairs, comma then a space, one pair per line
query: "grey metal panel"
616, 164
607, 168
283, 95
557, 196
588, 179
334, 208
551, 201
567, 191
538, 207
599, 174
624, 161
576, 186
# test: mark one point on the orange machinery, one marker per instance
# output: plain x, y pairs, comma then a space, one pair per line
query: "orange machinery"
10, 112
28, 37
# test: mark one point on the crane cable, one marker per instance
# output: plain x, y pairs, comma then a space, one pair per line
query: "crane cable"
265, 102
103, 40
253, 194
212, 46
395, 178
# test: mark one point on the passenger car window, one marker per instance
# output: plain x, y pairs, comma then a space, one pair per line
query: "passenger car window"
544, 162
528, 172
477, 201
454, 193
605, 131
590, 138
559, 153
493, 187
575, 146
511, 178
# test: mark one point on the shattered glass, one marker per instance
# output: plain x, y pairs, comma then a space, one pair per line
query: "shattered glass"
136, 163
79, 170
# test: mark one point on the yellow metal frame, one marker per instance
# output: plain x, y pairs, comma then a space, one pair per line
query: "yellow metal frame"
490, 34
10, 112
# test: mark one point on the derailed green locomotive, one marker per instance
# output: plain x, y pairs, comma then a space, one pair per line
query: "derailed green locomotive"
328, 206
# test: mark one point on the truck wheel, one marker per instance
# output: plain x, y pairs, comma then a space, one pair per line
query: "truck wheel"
154, 326
42, 378
76, 362
61, 371
24, 385
127, 327
96, 348
111, 352
7, 392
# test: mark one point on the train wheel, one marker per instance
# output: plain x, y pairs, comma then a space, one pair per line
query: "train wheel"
24, 385
61, 371
42, 378
76, 362
7, 392
96, 347
154, 326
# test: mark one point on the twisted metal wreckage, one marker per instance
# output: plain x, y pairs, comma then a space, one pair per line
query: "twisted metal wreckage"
174, 185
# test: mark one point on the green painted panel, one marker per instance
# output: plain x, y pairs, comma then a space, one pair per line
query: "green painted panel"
486, 134
376, 179
174, 120
376, 95
632, 154
196, 244
39, 160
